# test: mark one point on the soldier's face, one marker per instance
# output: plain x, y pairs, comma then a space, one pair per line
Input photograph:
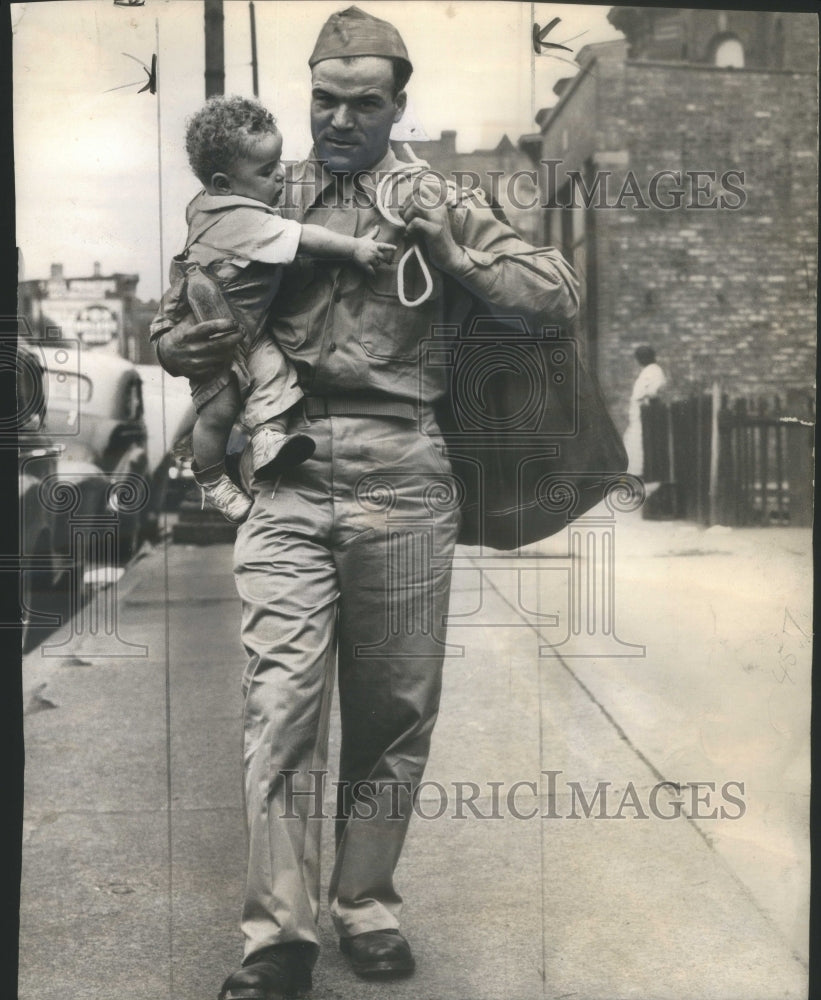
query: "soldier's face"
353, 108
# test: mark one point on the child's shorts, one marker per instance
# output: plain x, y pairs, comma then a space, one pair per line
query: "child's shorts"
202, 392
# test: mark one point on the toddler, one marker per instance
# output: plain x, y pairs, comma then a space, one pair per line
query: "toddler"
231, 266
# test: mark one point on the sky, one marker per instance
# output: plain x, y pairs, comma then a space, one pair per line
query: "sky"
92, 180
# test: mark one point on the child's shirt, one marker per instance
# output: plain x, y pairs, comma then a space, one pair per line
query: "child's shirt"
243, 244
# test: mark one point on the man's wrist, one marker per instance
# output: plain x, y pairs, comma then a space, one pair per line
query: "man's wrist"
158, 349
459, 264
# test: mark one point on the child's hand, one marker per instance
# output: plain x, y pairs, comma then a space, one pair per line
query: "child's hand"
369, 254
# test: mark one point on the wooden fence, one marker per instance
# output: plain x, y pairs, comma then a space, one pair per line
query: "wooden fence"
735, 462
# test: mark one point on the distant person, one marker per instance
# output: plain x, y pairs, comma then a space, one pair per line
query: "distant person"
237, 244
649, 383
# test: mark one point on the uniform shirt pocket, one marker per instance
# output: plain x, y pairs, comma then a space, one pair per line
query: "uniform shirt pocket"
390, 330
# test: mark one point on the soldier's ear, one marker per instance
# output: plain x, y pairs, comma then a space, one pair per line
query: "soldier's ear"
221, 183
400, 101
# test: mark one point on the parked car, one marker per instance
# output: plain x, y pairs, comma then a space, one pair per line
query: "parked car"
94, 408
42, 573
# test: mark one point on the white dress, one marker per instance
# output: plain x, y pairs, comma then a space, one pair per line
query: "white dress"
650, 382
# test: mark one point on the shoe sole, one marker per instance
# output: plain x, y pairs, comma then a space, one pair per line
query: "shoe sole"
299, 991
386, 968
383, 970
255, 995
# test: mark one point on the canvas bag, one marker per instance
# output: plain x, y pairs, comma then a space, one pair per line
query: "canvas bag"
530, 440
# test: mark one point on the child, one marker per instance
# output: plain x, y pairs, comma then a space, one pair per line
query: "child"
236, 247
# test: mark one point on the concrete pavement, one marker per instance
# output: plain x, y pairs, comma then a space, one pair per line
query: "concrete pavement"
134, 840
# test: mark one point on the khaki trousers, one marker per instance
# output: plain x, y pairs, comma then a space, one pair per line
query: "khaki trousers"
348, 559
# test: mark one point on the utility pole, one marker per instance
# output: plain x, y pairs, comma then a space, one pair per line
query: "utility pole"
254, 65
214, 49
532, 67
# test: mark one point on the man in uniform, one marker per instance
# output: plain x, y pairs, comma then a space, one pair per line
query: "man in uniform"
347, 560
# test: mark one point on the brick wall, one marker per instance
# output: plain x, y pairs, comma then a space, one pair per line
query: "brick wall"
771, 39
718, 293
800, 41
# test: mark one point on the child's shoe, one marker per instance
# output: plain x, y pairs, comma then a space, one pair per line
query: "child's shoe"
273, 451
225, 496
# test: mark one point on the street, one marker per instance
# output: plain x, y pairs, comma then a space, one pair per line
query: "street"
616, 803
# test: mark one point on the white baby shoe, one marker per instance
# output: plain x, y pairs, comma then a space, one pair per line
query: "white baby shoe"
225, 496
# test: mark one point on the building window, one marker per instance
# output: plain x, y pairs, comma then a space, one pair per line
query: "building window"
728, 53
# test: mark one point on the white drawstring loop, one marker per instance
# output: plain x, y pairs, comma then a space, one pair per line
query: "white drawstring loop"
400, 277
383, 190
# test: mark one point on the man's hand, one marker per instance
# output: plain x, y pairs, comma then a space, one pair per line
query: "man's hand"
433, 226
198, 350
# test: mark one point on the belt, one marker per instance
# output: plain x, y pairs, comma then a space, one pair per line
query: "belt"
352, 406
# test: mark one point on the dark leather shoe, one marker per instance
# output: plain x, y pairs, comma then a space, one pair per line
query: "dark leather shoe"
271, 974
378, 954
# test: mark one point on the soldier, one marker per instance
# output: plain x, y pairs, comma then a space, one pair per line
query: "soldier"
320, 576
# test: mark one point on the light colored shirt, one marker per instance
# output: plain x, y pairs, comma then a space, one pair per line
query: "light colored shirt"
241, 230
649, 383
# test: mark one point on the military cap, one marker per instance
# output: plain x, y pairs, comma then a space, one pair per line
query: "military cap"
352, 32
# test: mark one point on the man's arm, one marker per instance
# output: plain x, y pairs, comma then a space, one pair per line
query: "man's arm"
197, 350
184, 347
492, 262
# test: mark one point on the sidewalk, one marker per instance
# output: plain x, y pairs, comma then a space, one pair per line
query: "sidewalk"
134, 837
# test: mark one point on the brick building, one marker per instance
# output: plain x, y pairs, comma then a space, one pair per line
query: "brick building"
685, 192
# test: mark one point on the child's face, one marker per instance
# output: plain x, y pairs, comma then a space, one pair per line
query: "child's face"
259, 174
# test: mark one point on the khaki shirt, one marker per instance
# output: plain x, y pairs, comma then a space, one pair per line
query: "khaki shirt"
347, 332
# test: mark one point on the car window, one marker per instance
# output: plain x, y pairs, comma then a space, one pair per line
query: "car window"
68, 388
134, 401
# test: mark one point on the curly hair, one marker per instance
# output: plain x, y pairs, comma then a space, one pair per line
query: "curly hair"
223, 131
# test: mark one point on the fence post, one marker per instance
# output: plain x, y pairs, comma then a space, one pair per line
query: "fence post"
799, 457
714, 446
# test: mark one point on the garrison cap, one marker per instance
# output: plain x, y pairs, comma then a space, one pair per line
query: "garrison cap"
352, 32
